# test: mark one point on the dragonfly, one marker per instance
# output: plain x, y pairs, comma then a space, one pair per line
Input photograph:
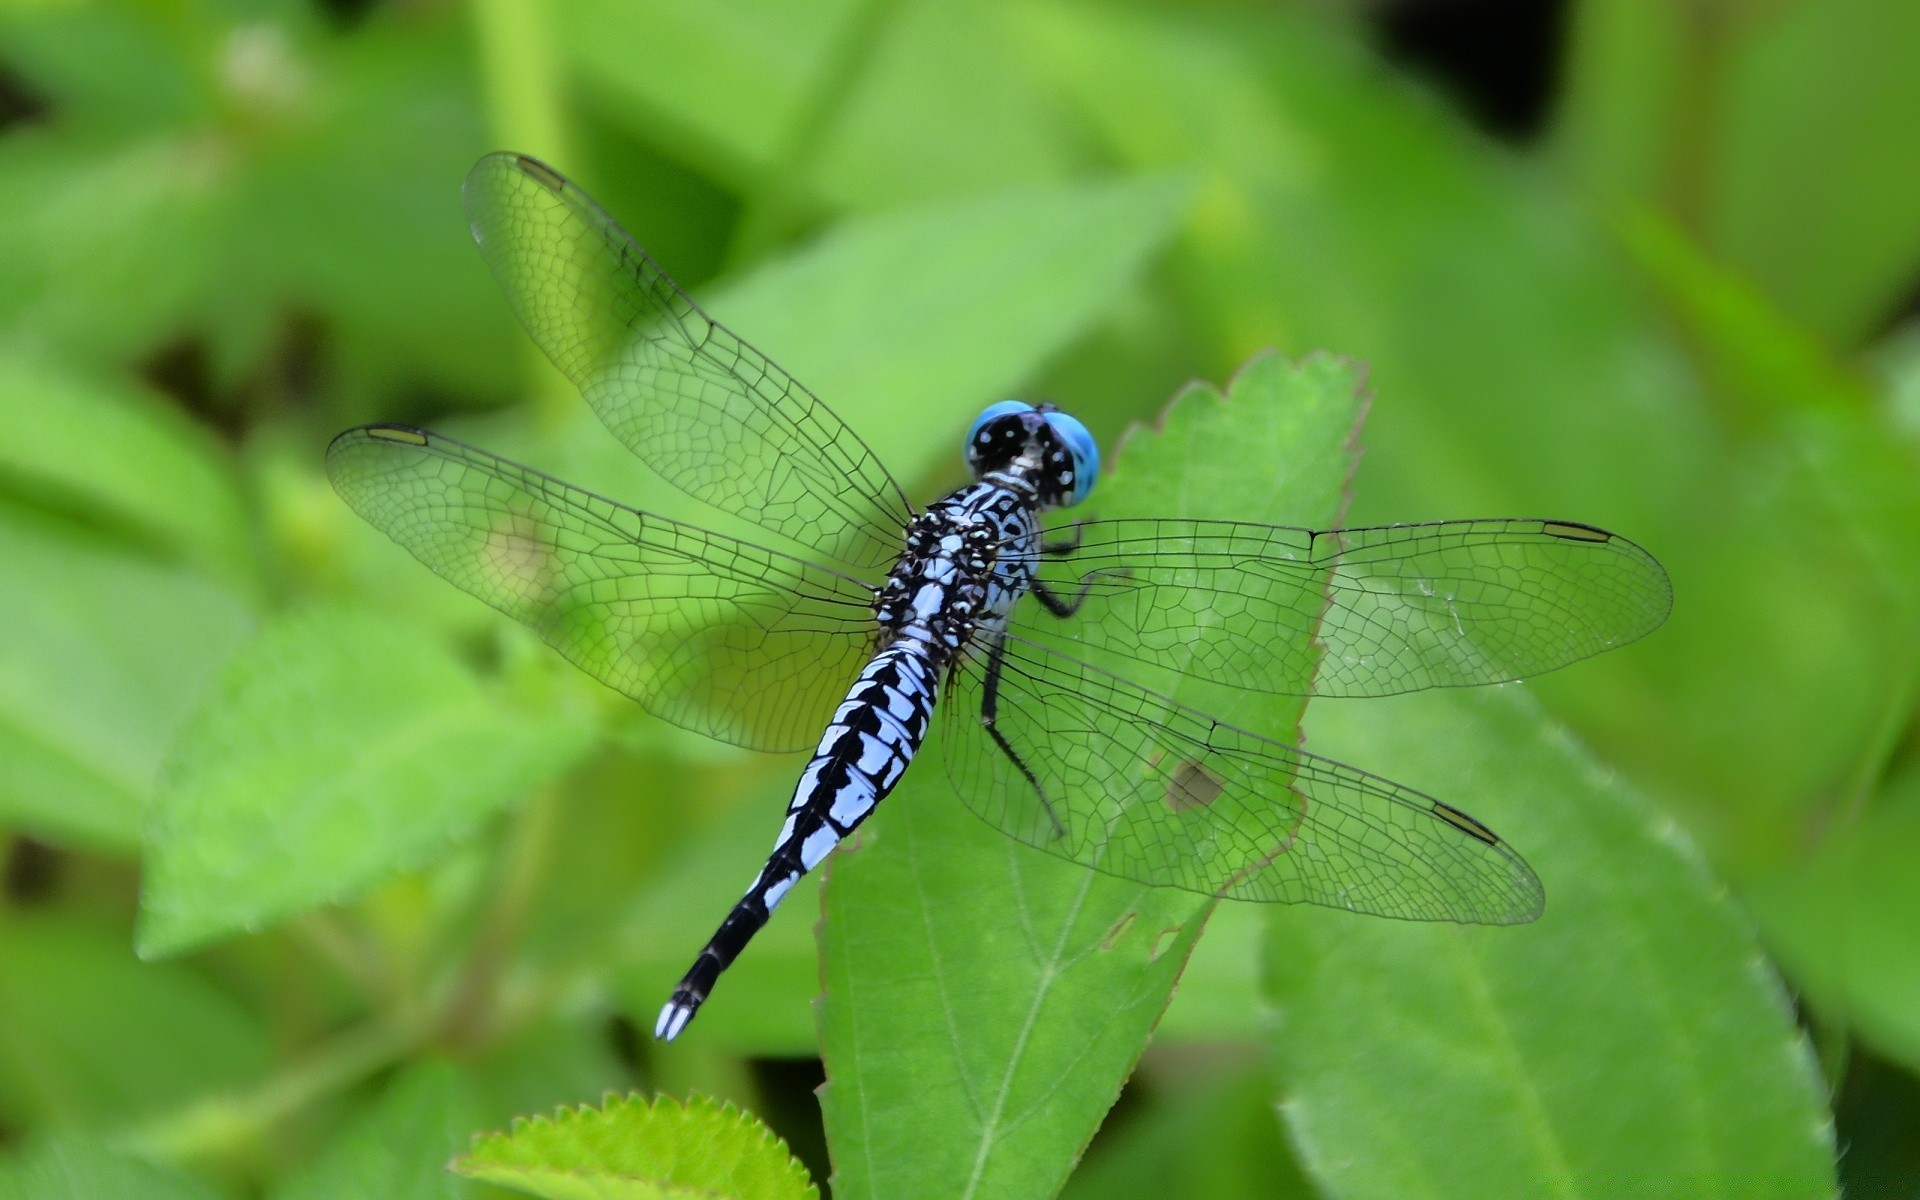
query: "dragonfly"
865, 610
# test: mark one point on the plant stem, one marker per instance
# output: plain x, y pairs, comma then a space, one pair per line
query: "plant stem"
221, 1124
779, 202
520, 77
472, 1008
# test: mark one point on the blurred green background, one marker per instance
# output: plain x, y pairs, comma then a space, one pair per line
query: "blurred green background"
395, 873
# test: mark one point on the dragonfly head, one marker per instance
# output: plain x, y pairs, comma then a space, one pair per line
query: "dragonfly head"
1061, 454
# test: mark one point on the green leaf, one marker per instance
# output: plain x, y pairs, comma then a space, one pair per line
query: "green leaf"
1814, 187
628, 1149
90, 694
340, 747
1631, 1042
398, 1147
943, 105
1777, 132
357, 213
106, 246
728, 79
78, 1015
76, 1169
116, 455
1841, 921
1219, 1139
984, 1002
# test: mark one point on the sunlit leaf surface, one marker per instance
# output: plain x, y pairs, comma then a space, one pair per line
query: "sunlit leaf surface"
1631, 1041
977, 986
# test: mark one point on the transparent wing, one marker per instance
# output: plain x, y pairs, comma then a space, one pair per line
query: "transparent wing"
1133, 784
1355, 612
716, 635
699, 406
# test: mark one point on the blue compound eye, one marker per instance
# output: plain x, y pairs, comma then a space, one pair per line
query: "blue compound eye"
991, 412
1084, 450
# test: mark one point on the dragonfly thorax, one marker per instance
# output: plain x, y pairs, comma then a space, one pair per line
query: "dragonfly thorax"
937, 588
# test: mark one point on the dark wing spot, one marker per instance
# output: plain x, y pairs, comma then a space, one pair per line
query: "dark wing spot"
1575, 532
397, 433
541, 173
1464, 823
1192, 786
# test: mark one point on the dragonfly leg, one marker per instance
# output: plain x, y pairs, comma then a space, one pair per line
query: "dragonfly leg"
1064, 546
989, 713
1051, 601
1057, 606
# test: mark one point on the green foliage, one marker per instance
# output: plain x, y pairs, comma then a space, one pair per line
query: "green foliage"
398, 1147
1676, 1064
273, 803
422, 876
90, 698
76, 1169
630, 1149
80, 1016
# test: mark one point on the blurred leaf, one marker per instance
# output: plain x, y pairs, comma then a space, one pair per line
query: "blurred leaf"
1631, 1042
107, 246
1220, 997
764, 1008
1220, 1140
942, 106
397, 1148
544, 1066
1825, 514
1761, 364
75, 1169
1632, 79
628, 1149
89, 1035
830, 104
355, 214
725, 81
119, 457
310, 175
1336, 213
908, 323
91, 694
339, 747
1815, 182
118, 68
1779, 132
1842, 922
997, 997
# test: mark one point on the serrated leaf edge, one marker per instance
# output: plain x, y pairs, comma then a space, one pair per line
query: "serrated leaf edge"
611, 1103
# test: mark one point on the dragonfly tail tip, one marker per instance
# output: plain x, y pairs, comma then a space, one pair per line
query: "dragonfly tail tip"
674, 1016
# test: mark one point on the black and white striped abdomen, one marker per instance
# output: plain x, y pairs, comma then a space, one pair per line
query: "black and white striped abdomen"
874, 735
